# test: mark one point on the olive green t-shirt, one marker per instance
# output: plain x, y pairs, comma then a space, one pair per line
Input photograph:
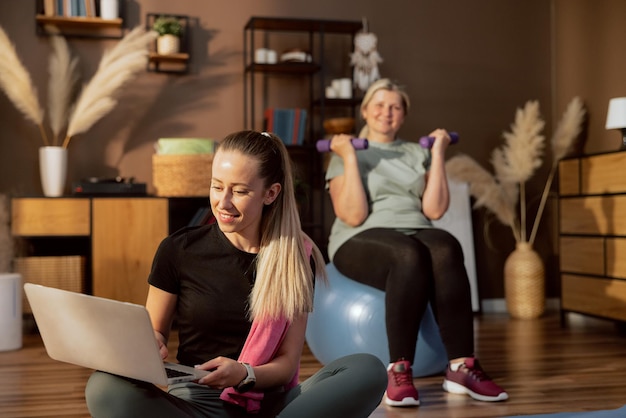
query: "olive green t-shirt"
394, 178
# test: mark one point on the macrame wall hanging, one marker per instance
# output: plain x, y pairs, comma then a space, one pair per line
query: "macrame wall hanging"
365, 58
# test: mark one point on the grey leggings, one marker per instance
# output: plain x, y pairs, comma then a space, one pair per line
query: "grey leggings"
351, 386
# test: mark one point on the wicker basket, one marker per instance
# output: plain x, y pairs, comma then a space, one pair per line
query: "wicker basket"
182, 175
65, 273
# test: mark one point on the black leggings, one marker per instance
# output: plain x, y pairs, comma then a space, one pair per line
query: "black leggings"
413, 270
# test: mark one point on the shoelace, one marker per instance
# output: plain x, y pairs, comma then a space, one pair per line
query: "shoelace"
475, 372
402, 378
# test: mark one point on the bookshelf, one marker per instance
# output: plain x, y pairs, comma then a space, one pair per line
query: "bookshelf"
328, 42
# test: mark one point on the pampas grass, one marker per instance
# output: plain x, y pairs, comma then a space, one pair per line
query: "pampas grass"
64, 78
489, 193
16, 83
514, 164
117, 67
568, 129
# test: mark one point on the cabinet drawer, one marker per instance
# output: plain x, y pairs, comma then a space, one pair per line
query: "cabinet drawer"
569, 177
595, 296
582, 255
616, 257
598, 174
50, 217
593, 215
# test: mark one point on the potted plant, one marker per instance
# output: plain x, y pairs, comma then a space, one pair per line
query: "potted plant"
169, 30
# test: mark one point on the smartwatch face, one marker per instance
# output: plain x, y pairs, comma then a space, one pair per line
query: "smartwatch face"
245, 386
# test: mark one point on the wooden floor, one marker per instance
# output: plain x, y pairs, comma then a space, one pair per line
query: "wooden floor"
544, 366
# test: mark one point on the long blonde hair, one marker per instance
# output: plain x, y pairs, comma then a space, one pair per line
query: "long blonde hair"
284, 279
383, 84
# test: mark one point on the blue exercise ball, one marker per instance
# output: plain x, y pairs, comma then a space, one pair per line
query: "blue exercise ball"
349, 317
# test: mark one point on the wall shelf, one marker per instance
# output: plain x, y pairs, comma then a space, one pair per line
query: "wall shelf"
78, 26
177, 62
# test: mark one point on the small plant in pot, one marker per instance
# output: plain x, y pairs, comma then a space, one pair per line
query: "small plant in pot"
170, 30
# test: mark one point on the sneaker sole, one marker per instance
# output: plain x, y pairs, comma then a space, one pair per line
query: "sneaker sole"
403, 402
453, 387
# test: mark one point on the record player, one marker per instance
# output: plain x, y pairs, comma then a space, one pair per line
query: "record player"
117, 186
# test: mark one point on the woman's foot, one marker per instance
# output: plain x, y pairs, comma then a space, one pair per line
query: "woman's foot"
469, 378
400, 389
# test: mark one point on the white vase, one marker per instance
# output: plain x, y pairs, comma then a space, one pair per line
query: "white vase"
109, 9
168, 44
53, 170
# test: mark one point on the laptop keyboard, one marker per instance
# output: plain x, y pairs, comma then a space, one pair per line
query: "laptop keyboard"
175, 373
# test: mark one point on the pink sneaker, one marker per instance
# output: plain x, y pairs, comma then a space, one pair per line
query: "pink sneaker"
400, 389
470, 379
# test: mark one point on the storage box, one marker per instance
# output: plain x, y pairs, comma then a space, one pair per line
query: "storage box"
182, 175
66, 272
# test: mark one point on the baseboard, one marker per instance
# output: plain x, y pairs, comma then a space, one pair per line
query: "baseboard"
499, 305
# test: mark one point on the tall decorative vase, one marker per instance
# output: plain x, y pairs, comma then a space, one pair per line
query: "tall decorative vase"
524, 283
53, 170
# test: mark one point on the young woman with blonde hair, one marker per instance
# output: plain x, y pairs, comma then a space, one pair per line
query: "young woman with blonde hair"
240, 291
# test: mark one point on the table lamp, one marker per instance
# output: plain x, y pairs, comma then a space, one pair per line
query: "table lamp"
616, 117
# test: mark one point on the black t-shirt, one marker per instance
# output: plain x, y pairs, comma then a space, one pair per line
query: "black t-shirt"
213, 280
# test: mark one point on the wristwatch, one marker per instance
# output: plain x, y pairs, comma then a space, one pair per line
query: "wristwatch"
248, 382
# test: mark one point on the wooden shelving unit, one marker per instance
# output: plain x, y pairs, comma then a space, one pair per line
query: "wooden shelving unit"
314, 75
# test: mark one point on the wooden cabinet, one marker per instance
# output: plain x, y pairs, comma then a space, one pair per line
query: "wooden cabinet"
592, 226
118, 236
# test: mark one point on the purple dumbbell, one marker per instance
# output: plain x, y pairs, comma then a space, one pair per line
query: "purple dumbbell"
323, 145
427, 141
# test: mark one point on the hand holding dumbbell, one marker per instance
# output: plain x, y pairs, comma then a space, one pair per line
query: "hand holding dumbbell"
323, 145
427, 141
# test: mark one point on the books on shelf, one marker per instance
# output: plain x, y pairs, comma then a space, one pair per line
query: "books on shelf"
69, 8
288, 124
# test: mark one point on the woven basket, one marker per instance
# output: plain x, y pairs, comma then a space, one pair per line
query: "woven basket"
182, 175
67, 273
524, 283
336, 126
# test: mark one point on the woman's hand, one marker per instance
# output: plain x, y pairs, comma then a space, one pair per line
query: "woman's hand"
225, 372
442, 140
342, 145
436, 197
162, 345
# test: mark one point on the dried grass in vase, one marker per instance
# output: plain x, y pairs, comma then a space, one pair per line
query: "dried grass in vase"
515, 163
98, 97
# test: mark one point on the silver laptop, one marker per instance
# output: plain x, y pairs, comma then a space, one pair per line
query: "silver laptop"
102, 334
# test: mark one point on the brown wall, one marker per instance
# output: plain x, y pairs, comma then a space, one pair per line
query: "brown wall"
467, 66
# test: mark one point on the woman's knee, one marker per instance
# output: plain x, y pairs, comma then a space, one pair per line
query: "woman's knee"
110, 395
364, 368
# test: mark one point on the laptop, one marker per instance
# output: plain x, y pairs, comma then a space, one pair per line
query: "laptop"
102, 334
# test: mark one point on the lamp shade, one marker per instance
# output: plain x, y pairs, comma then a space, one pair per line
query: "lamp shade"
616, 116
